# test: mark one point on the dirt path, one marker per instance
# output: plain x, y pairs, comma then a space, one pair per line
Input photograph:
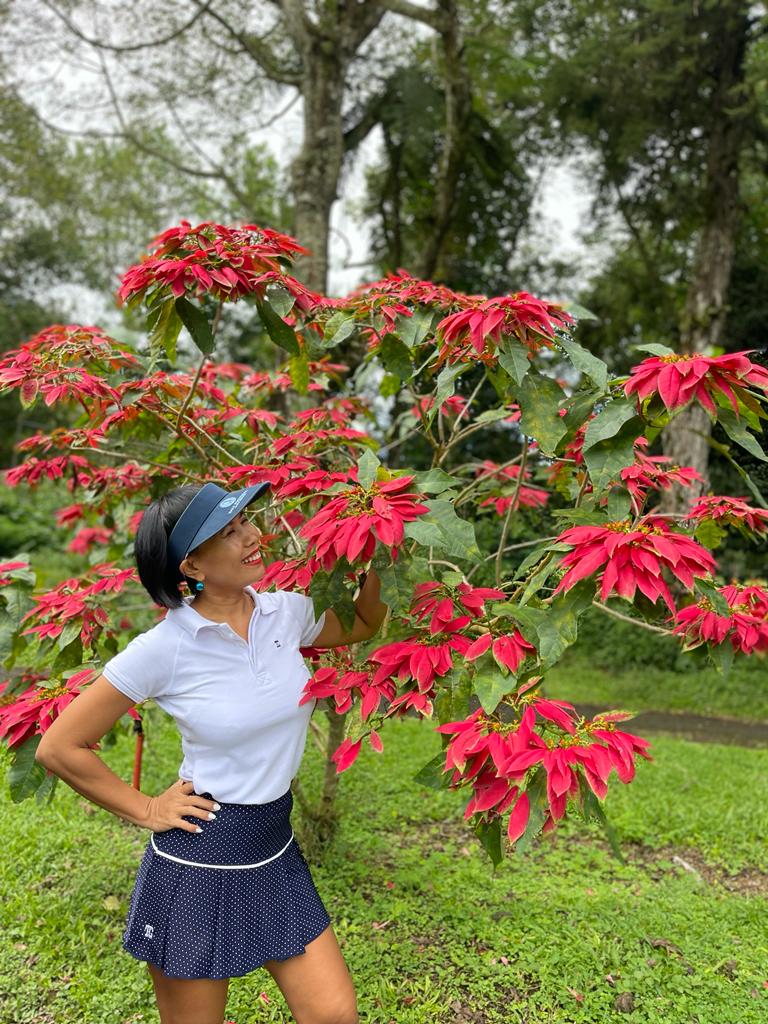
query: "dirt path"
700, 728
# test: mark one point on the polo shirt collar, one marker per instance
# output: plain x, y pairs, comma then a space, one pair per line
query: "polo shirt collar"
192, 621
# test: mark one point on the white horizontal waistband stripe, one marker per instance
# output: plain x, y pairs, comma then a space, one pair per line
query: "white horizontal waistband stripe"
224, 867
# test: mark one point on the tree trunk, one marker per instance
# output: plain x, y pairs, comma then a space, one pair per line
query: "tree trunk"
316, 170
705, 306
458, 109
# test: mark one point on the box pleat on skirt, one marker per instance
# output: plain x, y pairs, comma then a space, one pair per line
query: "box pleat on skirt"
220, 903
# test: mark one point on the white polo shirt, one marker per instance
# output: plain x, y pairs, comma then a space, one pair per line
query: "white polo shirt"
236, 704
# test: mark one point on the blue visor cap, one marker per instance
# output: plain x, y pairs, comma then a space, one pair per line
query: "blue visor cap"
209, 511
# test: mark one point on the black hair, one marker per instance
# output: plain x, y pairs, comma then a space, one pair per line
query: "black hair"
159, 578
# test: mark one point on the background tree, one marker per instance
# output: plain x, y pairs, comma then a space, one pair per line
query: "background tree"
668, 99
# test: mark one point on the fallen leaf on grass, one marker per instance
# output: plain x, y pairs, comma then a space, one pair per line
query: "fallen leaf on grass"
624, 1002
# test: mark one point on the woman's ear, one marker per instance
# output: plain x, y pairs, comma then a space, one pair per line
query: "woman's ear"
188, 567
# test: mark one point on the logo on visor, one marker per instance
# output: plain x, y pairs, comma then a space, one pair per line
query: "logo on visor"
232, 501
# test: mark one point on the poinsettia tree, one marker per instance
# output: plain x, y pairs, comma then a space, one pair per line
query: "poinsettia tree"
471, 633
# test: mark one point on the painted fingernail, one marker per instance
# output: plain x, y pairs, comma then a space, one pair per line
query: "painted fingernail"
217, 807
211, 817
198, 829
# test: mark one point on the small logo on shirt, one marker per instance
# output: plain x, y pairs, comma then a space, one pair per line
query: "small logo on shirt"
276, 643
149, 931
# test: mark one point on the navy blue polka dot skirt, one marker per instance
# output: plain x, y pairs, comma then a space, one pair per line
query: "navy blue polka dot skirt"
220, 903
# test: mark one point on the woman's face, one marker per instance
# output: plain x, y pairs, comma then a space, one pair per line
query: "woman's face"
231, 558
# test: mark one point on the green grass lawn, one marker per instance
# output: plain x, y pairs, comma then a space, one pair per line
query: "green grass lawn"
430, 932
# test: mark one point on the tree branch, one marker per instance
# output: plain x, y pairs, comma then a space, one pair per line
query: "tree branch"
426, 15
133, 47
197, 172
255, 50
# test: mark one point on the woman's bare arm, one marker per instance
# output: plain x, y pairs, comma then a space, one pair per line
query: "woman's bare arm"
370, 612
64, 750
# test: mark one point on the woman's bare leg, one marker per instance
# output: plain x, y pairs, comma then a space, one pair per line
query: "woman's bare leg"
189, 1000
316, 984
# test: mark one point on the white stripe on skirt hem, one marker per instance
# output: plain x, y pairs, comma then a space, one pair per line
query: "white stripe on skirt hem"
197, 864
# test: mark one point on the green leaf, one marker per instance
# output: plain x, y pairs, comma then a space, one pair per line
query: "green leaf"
556, 626
338, 328
298, 369
446, 383
163, 326
559, 627
44, 793
25, 774
367, 468
490, 685
514, 358
444, 529
390, 385
281, 299
489, 834
619, 504
539, 399
435, 481
278, 330
592, 808
452, 703
8, 628
580, 516
431, 774
533, 557
606, 459
654, 349
395, 357
197, 324
492, 415
328, 590
396, 586
67, 635
412, 330
608, 422
709, 534
579, 407
713, 595
737, 432
721, 657
537, 796
587, 363
538, 579
578, 311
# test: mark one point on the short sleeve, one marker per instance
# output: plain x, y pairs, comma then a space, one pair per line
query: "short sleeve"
302, 610
143, 668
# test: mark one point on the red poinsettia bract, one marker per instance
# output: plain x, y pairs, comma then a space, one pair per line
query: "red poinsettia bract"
476, 333
439, 601
496, 759
224, 262
416, 659
632, 558
729, 511
352, 522
509, 650
679, 379
32, 712
745, 626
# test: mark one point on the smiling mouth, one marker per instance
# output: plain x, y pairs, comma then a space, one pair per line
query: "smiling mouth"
253, 559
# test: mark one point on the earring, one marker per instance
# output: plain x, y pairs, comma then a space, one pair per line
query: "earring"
199, 586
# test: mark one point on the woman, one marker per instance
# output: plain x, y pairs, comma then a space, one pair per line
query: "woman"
223, 887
